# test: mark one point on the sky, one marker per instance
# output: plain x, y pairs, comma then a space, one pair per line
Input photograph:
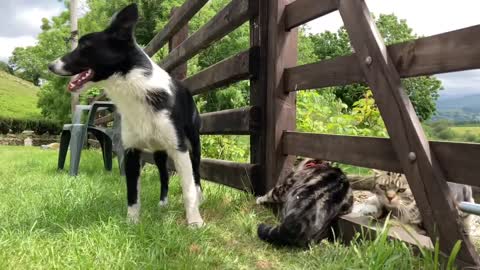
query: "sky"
21, 20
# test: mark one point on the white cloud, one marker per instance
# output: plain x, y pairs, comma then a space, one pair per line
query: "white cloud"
7, 44
426, 18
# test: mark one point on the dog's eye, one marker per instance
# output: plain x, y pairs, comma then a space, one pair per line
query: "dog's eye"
383, 187
401, 190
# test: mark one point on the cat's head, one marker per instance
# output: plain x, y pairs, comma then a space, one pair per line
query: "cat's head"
392, 190
310, 164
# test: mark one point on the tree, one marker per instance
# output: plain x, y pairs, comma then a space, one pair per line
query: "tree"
6, 67
423, 90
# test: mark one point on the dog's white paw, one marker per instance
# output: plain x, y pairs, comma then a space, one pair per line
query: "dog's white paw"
133, 214
163, 203
196, 225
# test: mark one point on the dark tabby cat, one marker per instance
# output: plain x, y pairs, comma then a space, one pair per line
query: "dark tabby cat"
393, 195
312, 197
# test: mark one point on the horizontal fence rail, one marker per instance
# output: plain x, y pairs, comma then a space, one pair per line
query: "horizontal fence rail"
228, 19
221, 74
302, 11
176, 22
232, 174
452, 51
241, 121
459, 160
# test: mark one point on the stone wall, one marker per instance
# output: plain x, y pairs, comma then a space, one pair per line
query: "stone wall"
37, 140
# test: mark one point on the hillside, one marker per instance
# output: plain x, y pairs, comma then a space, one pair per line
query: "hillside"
18, 98
459, 109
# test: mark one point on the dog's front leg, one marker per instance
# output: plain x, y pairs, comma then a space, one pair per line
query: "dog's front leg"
132, 172
183, 166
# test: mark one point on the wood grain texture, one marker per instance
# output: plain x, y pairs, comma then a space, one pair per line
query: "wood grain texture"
280, 112
179, 72
453, 51
223, 73
424, 174
228, 19
258, 83
240, 121
458, 160
302, 11
228, 173
176, 22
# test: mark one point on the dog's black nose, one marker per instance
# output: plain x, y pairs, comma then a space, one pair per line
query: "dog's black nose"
50, 66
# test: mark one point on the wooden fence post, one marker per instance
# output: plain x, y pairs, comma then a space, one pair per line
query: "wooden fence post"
277, 51
179, 72
425, 176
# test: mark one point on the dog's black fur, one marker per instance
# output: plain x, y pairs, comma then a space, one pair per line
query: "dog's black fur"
113, 53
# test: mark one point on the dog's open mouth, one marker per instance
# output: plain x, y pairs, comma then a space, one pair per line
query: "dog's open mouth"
79, 80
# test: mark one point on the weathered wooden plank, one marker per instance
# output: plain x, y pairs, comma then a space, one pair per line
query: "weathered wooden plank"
179, 72
352, 224
258, 36
458, 160
232, 174
228, 173
234, 121
176, 22
105, 119
228, 71
424, 174
228, 19
370, 152
341, 70
280, 110
453, 51
302, 11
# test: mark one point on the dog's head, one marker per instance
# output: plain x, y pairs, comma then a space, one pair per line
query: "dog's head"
99, 55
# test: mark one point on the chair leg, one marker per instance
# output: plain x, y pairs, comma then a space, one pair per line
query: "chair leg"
76, 145
107, 153
64, 142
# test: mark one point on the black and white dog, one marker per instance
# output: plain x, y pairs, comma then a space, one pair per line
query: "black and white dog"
158, 114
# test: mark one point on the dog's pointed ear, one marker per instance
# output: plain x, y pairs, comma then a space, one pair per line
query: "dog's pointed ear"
123, 22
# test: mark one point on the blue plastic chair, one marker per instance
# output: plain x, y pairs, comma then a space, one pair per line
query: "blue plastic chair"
75, 136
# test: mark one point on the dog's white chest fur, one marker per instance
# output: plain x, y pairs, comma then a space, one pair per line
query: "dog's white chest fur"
142, 126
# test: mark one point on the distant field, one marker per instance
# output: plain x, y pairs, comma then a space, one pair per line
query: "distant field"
18, 98
464, 129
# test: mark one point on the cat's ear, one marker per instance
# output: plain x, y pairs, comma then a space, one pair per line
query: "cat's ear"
123, 22
376, 172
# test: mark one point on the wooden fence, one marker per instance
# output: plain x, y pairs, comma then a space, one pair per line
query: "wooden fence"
270, 65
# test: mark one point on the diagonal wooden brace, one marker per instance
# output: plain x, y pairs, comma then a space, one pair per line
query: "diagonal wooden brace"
419, 164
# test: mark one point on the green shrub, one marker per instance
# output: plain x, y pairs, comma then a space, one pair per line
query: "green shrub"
39, 126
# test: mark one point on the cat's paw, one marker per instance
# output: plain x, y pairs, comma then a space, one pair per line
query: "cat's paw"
260, 200
365, 209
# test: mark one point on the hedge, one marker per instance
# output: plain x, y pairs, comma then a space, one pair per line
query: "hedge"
39, 126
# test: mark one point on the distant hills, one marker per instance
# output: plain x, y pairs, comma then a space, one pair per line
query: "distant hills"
459, 108
18, 98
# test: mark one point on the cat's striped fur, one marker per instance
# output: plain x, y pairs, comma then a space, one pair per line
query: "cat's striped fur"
393, 195
312, 197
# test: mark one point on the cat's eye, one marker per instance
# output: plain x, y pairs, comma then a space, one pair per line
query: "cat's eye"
401, 190
382, 187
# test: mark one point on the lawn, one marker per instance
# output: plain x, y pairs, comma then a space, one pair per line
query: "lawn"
52, 221
467, 129
18, 98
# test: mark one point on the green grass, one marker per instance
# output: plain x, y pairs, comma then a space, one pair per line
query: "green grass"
18, 98
462, 130
52, 221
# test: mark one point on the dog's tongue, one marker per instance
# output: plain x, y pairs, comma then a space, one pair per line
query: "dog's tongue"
79, 80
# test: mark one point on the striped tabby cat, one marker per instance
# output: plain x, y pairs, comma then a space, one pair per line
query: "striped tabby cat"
393, 195
312, 197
